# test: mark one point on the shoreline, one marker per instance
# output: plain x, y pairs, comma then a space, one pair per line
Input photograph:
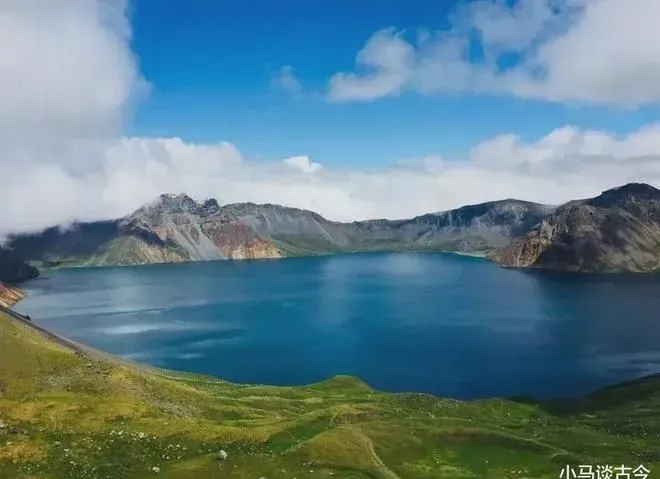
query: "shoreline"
92, 353
48, 269
70, 404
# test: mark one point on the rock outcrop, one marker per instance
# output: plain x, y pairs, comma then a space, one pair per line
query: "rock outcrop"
9, 296
617, 231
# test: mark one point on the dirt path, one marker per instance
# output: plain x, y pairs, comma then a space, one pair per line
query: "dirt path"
382, 467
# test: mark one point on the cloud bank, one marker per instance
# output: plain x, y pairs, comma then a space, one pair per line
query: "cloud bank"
566, 164
586, 51
65, 91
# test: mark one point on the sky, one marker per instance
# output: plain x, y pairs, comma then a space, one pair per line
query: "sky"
347, 108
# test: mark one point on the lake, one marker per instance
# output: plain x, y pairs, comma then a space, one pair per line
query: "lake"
436, 323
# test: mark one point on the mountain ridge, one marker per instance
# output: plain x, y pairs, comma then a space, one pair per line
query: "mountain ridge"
176, 228
617, 230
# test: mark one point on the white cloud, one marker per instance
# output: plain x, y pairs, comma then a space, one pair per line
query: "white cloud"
389, 62
286, 79
302, 163
62, 156
65, 69
566, 164
590, 51
66, 75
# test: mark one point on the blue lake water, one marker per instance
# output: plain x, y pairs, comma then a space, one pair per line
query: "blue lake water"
442, 324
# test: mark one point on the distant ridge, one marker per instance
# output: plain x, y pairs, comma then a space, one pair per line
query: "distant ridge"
615, 231
176, 228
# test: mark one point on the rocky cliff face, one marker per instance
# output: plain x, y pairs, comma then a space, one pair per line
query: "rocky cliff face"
617, 231
176, 228
478, 228
470, 229
9, 296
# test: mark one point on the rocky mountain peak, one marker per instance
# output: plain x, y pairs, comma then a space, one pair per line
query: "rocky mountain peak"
630, 191
177, 203
209, 207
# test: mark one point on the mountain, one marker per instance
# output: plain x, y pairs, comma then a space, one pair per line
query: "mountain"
176, 228
13, 269
616, 231
476, 229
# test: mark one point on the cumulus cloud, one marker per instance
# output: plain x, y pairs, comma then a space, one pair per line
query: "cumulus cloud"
66, 76
389, 61
589, 51
63, 157
302, 163
286, 79
566, 164
66, 69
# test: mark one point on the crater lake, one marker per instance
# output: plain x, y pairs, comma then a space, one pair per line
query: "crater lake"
422, 322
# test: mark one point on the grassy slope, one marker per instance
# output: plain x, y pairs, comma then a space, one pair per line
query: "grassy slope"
70, 415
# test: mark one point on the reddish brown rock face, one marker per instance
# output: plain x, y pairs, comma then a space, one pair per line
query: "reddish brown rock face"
258, 249
238, 241
9, 296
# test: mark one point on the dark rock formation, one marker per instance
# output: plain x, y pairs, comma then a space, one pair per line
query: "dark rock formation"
616, 231
13, 269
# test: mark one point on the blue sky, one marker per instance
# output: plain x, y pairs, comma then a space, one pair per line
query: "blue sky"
210, 65
353, 109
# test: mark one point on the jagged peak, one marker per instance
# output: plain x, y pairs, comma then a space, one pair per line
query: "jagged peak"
208, 206
210, 202
169, 197
180, 203
172, 203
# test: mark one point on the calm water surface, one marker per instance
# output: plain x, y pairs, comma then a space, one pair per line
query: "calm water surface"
436, 323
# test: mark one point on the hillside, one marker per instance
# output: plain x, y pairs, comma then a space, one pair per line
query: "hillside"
13, 269
176, 228
616, 231
67, 411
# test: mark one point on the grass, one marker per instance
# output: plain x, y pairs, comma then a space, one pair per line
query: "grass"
67, 414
